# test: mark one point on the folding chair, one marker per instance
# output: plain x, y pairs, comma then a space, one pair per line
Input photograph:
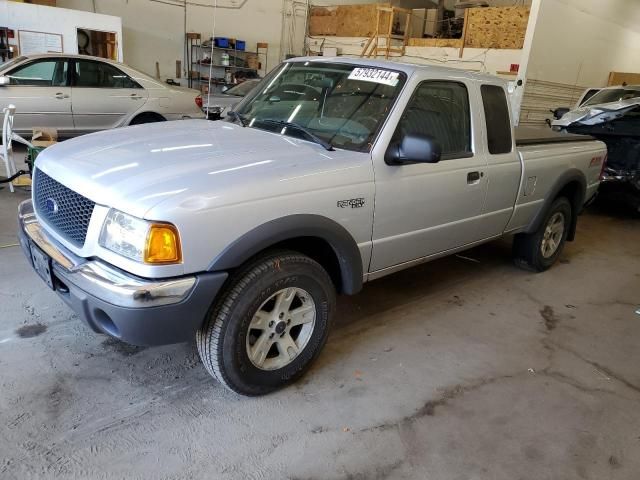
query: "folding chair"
8, 136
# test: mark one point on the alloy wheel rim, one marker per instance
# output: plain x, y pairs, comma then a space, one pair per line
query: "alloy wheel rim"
552, 237
281, 328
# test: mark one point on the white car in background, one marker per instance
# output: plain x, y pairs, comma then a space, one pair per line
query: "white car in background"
219, 104
78, 94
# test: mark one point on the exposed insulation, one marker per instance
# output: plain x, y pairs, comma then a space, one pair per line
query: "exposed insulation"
496, 27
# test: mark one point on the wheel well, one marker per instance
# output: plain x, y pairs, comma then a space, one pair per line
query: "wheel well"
152, 116
574, 192
319, 250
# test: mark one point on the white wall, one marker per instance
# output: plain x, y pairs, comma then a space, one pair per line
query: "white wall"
578, 42
574, 45
22, 16
154, 31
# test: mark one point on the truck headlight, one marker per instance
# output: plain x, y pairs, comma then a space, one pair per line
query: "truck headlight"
140, 240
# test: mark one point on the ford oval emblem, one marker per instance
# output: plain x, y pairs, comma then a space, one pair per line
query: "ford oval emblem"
51, 206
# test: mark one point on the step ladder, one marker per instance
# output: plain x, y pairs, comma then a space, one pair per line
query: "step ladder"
384, 42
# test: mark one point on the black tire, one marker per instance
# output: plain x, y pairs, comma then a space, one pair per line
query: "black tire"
528, 248
222, 340
147, 118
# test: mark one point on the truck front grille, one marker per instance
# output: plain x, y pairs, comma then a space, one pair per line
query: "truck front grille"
66, 211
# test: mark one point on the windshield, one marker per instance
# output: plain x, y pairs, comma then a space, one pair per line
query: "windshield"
243, 88
345, 105
11, 63
612, 95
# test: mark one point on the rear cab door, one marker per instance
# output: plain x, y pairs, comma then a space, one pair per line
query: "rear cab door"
504, 167
103, 96
40, 91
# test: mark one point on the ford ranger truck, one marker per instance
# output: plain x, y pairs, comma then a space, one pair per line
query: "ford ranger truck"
329, 174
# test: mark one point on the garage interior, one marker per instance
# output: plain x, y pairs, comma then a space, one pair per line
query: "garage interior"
461, 368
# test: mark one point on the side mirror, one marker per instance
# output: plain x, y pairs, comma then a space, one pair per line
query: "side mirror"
413, 148
4, 81
225, 88
558, 113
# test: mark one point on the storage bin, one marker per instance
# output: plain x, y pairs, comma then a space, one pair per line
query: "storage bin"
241, 45
221, 42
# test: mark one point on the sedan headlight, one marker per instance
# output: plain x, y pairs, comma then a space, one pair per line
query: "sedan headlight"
140, 240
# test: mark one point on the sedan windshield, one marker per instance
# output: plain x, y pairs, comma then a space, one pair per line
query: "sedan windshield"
612, 95
343, 105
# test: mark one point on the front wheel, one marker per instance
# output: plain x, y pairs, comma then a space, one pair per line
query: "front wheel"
539, 250
269, 325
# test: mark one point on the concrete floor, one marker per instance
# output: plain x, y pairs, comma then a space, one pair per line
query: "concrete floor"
458, 369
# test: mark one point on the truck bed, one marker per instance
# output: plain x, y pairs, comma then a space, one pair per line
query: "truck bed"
541, 135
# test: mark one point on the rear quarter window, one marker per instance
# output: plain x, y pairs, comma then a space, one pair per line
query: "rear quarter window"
496, 114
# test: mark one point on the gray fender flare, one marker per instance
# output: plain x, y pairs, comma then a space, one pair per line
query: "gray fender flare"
291, 227
572, 175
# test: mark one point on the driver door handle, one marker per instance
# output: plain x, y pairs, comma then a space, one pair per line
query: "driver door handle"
135, 96
61, 95
474, 177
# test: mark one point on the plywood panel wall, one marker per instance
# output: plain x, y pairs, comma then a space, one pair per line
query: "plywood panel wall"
323, 21
346, 20
496, 27
618, 78
359, 20
435, 42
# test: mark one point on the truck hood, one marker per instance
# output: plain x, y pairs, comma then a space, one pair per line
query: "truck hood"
597, 114
135, 168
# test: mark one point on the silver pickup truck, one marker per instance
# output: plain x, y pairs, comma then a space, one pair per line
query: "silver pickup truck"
241, 232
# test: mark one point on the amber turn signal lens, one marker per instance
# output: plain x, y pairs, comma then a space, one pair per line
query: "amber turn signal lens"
163, 244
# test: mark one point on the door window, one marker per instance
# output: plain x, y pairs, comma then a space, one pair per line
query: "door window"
101, 75
440, 109
41, 73
496, 115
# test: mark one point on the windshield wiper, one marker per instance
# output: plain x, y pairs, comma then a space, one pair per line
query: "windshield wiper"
300, 128
236, 116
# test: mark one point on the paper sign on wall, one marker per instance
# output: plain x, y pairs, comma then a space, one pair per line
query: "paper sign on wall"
39, 42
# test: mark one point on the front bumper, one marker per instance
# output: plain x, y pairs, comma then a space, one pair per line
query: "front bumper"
135, 310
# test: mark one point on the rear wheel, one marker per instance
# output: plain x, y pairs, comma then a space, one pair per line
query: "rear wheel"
539, 250
269, 325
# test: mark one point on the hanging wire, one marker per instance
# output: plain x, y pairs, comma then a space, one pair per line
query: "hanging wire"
213, 36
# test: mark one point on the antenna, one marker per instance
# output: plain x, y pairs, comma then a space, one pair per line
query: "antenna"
213, 36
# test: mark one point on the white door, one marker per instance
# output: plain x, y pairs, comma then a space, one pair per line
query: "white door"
426, 208
103, 96
40, 92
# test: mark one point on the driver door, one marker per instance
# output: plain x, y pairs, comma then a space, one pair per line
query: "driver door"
40, 92
423, 209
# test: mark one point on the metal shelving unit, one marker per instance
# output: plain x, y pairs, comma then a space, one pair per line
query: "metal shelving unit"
199, 69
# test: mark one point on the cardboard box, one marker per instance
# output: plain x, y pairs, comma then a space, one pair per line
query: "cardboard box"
43, 137
253, 62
